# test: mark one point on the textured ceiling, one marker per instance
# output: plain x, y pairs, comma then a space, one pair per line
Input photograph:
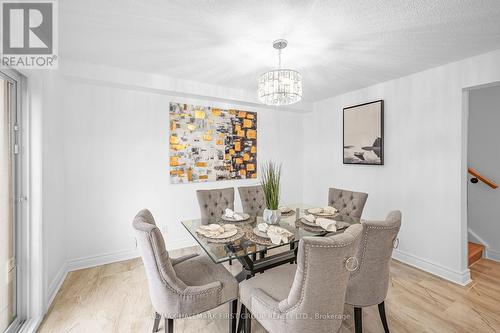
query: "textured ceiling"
338, 45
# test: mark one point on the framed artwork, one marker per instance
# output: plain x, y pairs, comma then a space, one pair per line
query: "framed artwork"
211, 144
364, 133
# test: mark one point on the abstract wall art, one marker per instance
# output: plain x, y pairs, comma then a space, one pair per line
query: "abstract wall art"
210, 144
364, 134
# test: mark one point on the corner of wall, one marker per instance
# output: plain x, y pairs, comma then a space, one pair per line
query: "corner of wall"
55, 285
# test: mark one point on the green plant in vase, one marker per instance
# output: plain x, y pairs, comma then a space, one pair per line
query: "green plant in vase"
271, 175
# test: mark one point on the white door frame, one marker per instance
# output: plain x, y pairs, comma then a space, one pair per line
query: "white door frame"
464, 255
19, 211
29, 249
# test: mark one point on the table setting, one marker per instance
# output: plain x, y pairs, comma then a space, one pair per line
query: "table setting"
317, 223
275, 234
220, 233
232, 216
327, 211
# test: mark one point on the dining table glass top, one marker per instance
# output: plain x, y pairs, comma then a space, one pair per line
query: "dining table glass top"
246, 242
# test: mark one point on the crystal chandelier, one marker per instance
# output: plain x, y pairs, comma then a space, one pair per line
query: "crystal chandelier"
280, 86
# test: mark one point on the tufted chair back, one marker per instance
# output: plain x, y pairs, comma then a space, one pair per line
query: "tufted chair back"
320, 282
213, 203
252, 200
164, 286
348, 203
369, 283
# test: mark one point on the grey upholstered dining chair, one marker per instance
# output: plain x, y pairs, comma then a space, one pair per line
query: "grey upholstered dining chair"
252, 199
214, 202
348, 203
290, 298
184, 286
369, 283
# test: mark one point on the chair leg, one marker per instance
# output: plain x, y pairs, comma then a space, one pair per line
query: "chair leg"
248, 321
358, 320
230, 262
233, 309
241, 319
383, 318
169, 325
157, 322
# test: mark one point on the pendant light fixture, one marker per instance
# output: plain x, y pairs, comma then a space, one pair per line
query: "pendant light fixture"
280, 86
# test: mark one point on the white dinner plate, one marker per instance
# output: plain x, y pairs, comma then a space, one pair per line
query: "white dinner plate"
286, 210
314, 211
260, 233
225, 234
230, 219
341, 225
326, 214
313, 224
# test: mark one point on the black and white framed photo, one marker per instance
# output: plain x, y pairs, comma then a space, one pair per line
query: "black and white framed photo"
364, 133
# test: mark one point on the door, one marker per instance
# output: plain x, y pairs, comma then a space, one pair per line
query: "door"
9, 216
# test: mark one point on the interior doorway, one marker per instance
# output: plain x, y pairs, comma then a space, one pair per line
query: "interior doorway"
483, 160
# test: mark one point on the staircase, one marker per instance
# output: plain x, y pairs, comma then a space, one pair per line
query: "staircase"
475, 252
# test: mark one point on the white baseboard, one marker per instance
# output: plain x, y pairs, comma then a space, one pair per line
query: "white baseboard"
108, 258
55, 285
99, 260
492, 254
461, 278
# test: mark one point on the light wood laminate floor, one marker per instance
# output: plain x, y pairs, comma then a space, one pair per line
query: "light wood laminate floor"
114, 298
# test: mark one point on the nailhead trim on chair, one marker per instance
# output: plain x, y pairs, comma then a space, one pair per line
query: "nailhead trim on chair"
365, 244
306, 269
176, 291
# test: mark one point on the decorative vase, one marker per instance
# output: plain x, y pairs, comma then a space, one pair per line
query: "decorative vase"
271, 216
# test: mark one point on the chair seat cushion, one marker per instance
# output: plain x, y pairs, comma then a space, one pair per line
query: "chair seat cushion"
201, 270
275, 282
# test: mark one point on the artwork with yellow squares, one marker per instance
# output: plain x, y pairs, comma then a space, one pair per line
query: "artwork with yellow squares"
210, 144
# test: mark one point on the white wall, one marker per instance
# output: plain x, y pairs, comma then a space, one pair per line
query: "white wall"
116, 162
484, 139
424, 173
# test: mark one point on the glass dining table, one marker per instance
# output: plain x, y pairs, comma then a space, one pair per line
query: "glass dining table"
250, 249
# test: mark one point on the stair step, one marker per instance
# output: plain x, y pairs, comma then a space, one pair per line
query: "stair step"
475, 252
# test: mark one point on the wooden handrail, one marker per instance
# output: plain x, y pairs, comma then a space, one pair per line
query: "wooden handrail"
485, 180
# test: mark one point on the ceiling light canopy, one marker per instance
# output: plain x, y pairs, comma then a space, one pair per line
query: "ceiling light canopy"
280, 86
